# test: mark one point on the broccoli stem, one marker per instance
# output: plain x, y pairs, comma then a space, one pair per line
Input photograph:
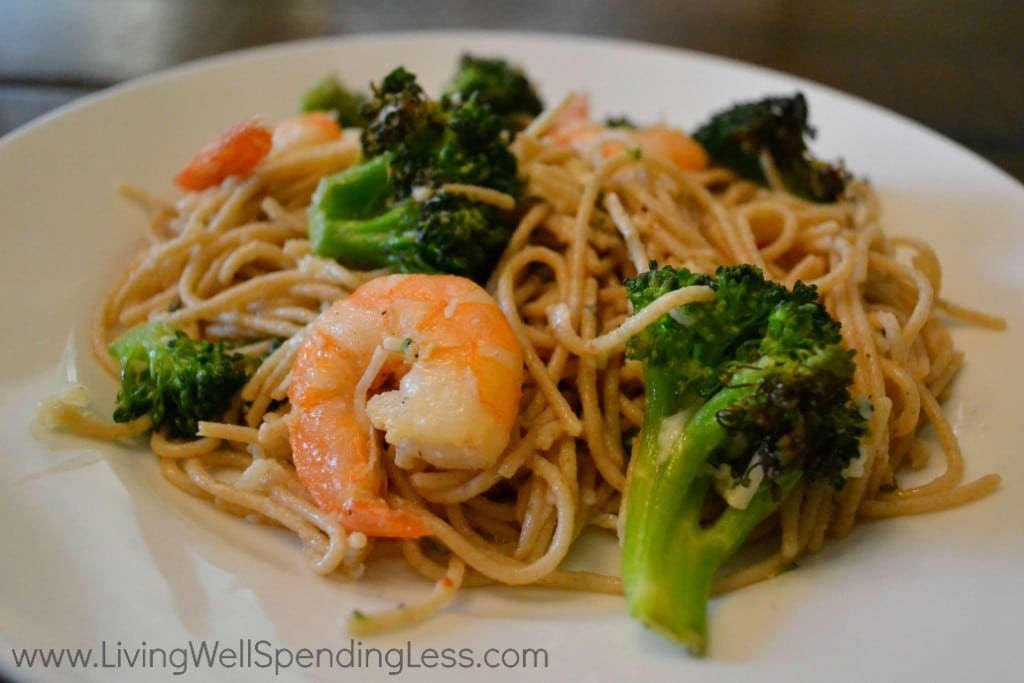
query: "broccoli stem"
359, 192
363, 244
670, 557
677, 607
667, 569
364, 237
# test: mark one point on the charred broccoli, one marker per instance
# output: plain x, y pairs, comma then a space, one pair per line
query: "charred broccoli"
777, 126
392, 210
746, 394
498, 85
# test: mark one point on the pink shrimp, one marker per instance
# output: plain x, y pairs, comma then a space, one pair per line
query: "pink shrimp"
307, 129
573, 127
243, 146
459, 371
237, 151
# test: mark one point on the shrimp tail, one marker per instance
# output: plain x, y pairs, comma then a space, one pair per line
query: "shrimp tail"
375, 518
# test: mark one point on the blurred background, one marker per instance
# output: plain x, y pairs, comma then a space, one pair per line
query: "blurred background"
956, 66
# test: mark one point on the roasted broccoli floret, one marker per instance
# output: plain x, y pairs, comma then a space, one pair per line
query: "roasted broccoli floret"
777, 127
392, 210
746, 394
497, 84
436, 141
177, 381
358, 223
331, 96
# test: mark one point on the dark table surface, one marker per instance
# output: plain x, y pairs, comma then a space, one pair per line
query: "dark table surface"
954, 66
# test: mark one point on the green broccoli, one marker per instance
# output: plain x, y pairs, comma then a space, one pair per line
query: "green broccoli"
331, 96
497, 84
746, 394
778, 126
622, 122
392, 210
176, 380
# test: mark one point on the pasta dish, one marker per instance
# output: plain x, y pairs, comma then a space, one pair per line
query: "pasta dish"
480, 429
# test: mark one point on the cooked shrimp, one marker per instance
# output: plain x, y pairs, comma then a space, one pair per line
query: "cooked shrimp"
237, 151
459, 372
307, 129
573, 127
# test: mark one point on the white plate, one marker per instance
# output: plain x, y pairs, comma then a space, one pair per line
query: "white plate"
97, 550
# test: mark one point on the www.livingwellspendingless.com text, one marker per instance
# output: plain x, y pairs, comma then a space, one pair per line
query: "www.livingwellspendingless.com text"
263, 655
